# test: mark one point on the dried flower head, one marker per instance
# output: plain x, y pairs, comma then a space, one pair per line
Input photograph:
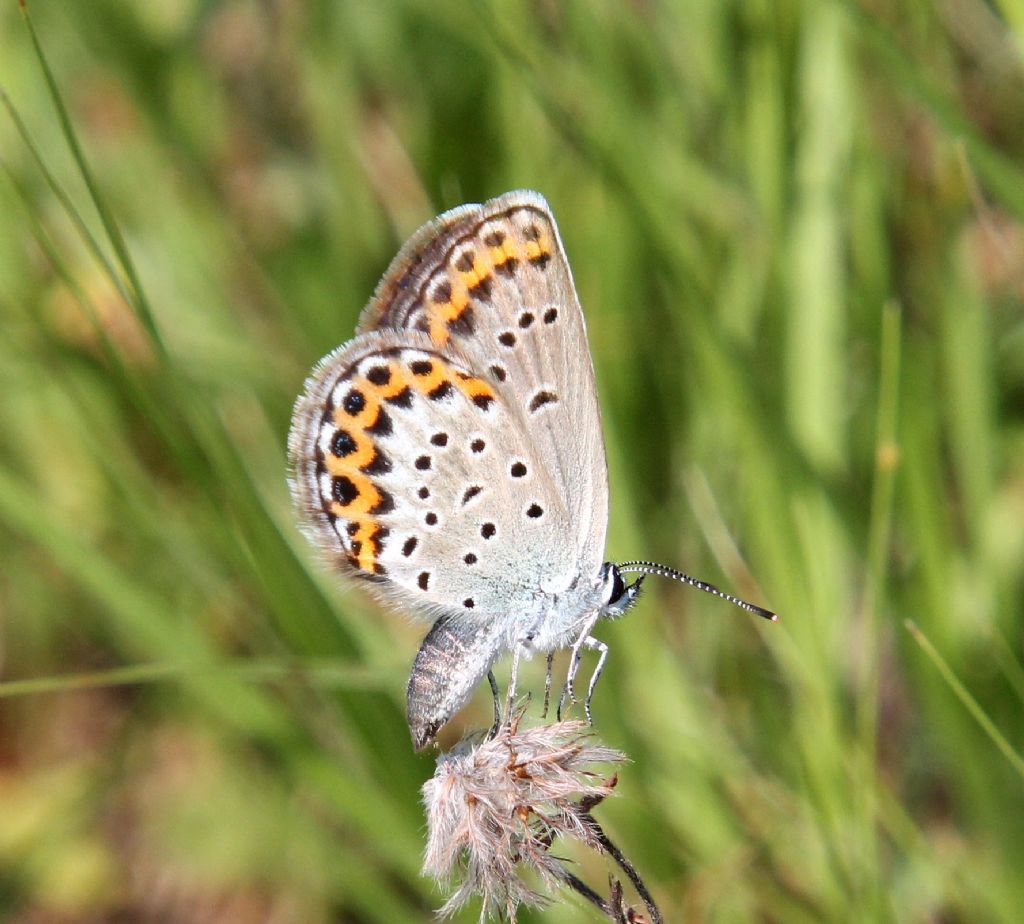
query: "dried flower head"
495, 806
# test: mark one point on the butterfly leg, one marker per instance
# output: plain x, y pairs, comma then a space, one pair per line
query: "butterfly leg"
497, 705
583, 640
574, 665
512, 680
547, 686
602, 649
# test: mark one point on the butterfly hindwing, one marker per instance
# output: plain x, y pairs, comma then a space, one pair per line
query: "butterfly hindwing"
416, 475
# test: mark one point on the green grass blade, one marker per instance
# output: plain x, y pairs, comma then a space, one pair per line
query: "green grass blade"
315, 673
969, 702
138, 299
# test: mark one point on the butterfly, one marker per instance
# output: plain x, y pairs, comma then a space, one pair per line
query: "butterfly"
451, 455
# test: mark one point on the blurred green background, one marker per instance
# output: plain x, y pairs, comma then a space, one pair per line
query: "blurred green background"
796, 228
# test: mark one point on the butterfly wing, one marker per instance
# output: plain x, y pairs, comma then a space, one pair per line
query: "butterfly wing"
492, 283
413, 473
451, 454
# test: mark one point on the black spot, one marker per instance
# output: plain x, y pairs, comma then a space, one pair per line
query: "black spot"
423, 580
534, 511
507, 338
469, 558
423, 493
402, 399
495, 239
422, 324
478, 446
499, 373
379, 537
439, 439
354, 402
463, 323
381, 426
430, 519
379, 375
465, 261
442, 294
541, 398
540, 260
379, 569
470, 493
532, 233
526, 319
442, 391
423, 463
508, 268
380, 464
421, 367
357, 547
352, 528
344, 490
483, 401
488, 530
481, 290
468, 603
409, 546
518, 470
550, 316
343, 445
386, 503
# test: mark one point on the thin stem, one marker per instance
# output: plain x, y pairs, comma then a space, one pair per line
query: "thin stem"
962, 693
626, 866
879, 536
579, 887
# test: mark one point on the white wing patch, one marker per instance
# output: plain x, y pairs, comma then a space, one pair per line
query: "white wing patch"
419, 478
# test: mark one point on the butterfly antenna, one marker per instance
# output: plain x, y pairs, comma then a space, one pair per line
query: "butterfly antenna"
651, 567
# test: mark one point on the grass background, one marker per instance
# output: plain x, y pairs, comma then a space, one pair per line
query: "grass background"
796, 228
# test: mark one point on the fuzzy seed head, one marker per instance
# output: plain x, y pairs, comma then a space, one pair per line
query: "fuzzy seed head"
494, 808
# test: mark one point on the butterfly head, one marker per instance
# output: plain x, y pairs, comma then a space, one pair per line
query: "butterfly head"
618, 596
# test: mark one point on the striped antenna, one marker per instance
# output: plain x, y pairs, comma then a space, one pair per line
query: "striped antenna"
652, 567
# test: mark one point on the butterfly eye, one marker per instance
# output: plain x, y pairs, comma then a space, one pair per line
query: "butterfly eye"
618, 586
618, 595
614, 586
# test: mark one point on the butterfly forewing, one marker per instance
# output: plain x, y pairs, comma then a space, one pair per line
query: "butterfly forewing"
416, 474
490, 285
